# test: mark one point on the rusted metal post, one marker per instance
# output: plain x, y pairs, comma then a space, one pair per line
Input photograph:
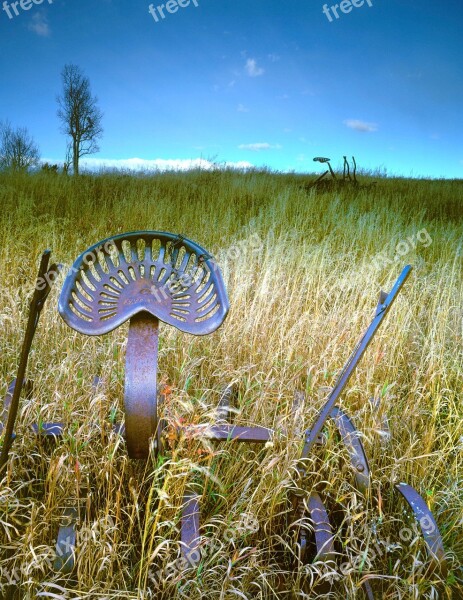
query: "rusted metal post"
42, 289
140, 393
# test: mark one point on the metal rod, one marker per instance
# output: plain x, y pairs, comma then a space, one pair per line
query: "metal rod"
333, 174
355, 169
343, 379
42, 289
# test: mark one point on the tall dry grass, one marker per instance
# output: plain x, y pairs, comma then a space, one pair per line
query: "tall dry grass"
303, 276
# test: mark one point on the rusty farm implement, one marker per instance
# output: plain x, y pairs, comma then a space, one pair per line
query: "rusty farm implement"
148, 277
330, 180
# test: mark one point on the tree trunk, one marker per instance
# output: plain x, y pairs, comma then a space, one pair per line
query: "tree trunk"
75, 157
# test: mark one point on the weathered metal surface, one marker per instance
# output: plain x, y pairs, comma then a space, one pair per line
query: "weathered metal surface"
343, 379
354, 447
312, 523
48, 429
190, 527
427, 524
382, 300
45, 279
229, 432
66, 543
166, 275
366, 587
324, 537
140, 391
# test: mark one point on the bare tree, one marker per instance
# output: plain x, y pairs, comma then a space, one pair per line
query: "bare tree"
18, 150
80, 116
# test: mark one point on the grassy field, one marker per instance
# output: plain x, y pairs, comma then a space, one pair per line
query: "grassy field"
303, 273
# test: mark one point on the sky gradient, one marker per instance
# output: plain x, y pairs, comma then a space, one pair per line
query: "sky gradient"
263, 82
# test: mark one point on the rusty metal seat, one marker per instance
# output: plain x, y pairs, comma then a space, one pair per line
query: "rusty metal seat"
143, 277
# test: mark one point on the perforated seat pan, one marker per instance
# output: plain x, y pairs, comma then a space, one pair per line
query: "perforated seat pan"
166, 275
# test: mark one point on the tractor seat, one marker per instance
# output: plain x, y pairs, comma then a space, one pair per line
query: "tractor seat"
160, 273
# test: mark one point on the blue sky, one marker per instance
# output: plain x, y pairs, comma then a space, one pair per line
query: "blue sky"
267, 82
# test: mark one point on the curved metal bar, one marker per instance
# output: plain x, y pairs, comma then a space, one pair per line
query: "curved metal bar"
427, 523
317, 514
324, 538
140, 392
190, 527
66, 544
354, 446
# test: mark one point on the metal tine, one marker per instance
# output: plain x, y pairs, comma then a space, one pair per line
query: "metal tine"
189, 527
324, 537
66, 543
428, 526
366, 587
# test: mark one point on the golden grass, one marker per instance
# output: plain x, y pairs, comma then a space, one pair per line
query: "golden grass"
303, 277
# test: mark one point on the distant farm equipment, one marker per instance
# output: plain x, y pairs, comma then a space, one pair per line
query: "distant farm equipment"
335, 181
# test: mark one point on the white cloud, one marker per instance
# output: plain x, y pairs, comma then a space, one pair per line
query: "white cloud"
252, 69
273, 57
39, 24
361, 126
157, 164
258, 146
242, 108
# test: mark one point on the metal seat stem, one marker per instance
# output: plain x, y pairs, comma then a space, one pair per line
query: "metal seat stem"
140, 392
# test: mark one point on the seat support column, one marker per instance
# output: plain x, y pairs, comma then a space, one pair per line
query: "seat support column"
140, 392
